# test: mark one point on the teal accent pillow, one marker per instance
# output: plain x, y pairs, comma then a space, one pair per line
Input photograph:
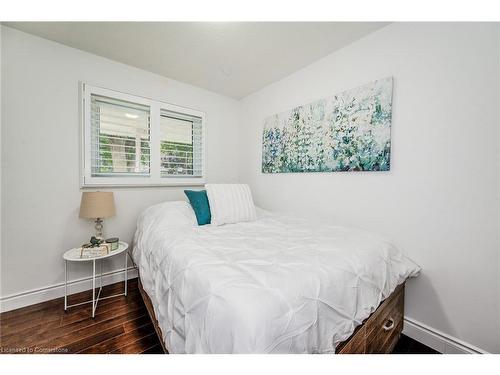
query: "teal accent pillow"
199, 202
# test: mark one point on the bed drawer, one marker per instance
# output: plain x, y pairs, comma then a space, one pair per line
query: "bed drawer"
356, 344
380, 332
383, 331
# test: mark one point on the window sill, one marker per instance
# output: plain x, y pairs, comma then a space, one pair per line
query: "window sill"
197, 182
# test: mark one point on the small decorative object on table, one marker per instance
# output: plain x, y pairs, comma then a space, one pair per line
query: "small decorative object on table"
94, 241
92, 252
95, 248
113, 242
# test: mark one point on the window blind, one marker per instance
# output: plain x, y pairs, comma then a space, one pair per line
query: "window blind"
181, 144
120, 137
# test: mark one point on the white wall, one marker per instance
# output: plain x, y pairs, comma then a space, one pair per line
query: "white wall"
40, 155
498, 153
439, 201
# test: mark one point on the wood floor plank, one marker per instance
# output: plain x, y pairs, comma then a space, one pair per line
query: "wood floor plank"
60, 318
90, 330
139, 346
121, 340
88, 341
9, 334
112, 305
43, 334
154, 350
45, 326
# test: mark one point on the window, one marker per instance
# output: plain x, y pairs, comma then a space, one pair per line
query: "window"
130, 140
120, 135
180, 144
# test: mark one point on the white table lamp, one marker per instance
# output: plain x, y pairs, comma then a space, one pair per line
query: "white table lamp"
97, 205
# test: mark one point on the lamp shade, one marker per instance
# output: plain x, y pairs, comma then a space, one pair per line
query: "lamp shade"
97, 204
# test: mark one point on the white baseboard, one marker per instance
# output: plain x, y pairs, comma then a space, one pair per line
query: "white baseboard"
30, 297
438, 340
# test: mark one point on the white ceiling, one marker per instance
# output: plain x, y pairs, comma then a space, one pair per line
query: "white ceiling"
233, 59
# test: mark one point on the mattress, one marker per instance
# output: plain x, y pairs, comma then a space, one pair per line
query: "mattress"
278, 284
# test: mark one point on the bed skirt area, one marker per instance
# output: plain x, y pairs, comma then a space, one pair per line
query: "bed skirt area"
151, 312
377, 335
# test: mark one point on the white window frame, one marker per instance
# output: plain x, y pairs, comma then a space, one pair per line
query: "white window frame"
155, 178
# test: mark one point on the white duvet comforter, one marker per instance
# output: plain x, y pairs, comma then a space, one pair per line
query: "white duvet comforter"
274, 285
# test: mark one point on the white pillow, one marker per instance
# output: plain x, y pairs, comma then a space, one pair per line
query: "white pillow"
230, 203
167, 214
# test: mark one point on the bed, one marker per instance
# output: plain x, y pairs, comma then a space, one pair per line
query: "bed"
278, 284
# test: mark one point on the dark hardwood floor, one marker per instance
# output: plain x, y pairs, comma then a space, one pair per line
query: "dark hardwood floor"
407, 345
121, 325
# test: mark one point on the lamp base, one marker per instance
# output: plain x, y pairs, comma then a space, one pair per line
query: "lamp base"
98, 228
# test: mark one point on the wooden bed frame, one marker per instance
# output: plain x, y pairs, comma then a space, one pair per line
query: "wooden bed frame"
378, 334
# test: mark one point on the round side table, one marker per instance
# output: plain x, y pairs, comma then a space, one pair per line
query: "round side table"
74, 255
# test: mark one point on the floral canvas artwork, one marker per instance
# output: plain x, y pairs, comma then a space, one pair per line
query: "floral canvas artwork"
350, 131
